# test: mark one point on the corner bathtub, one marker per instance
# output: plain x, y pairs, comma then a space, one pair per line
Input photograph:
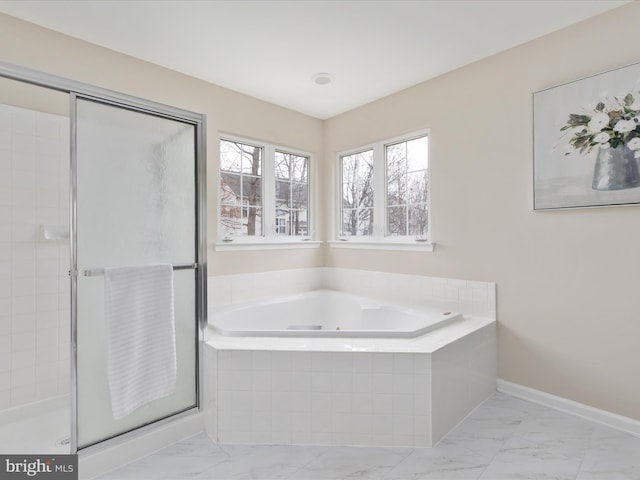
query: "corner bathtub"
326, 313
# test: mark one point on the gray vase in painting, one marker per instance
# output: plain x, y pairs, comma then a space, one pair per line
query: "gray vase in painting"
615, 169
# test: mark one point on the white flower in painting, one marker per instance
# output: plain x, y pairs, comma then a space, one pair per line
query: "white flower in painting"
604, 146
598, 122
602, 137
634, 144
624, 126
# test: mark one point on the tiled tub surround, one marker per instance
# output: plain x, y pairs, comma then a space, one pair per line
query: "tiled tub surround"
350, 391
468, 297
34, 285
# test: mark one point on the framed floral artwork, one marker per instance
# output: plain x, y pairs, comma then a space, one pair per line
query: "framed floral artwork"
587, 141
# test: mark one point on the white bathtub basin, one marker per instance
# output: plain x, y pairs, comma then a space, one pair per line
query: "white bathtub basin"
326, 313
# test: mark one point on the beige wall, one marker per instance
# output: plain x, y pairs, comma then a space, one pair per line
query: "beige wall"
227, 111
567, 280
568, 307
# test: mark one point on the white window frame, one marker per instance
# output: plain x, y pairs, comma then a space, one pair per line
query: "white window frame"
380, 240
269, 239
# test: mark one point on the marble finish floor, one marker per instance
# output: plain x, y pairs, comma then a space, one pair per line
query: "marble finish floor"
505, 438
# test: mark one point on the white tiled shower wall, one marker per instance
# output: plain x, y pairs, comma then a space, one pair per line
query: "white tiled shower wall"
469, 297
34, 285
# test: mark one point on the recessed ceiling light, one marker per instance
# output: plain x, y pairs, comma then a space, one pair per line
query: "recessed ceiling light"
322, 78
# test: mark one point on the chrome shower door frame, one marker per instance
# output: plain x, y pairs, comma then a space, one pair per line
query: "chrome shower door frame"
79, 90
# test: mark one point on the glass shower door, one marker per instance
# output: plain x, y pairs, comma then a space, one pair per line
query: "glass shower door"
135, 205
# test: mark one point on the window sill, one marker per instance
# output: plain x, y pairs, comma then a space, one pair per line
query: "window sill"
389, 245
265, 245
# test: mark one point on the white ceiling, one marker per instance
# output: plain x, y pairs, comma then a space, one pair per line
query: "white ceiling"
270, 49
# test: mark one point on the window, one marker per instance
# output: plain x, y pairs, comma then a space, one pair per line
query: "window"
385, 192
357, 193
407, 176
264, 193
292, 193
241, 189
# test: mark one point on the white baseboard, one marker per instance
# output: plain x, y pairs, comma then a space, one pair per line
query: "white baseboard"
613, 420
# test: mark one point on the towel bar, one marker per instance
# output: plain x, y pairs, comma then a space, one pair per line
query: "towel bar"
96, 272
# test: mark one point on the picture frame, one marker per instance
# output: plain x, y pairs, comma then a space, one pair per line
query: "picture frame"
586, 139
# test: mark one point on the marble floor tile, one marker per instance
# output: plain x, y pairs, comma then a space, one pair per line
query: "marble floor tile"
441, 462
523, 459
504, 439
264, 462
612, 455
342, 463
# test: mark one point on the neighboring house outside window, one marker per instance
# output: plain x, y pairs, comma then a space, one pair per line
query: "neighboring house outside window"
264, 192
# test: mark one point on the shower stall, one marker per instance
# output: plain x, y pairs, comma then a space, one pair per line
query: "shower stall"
90, 180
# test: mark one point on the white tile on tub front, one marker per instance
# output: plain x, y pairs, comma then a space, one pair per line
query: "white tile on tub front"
382, 403
341, 362
402, 363
383, 363
382, 383
321, 382
241, 360
261, 360
403, 383
261, 401
342, 382
341, 403
281, 361
301, 402
362, 403
241, 401
281, 402
363, 362
281, 381
321, 423
421, 363
301, 363
320, 402
261, 381
403, 403
363, 382
321, 362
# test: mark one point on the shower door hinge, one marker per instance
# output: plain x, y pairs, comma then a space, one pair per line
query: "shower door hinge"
73, 273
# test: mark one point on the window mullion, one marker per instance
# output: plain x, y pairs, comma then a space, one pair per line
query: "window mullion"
269, 192
379, 191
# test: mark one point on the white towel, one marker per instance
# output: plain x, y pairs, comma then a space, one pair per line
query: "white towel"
141, 340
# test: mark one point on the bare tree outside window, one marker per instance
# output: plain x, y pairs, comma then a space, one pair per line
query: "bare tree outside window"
357, 194
241, 189
407, 183
292, 194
